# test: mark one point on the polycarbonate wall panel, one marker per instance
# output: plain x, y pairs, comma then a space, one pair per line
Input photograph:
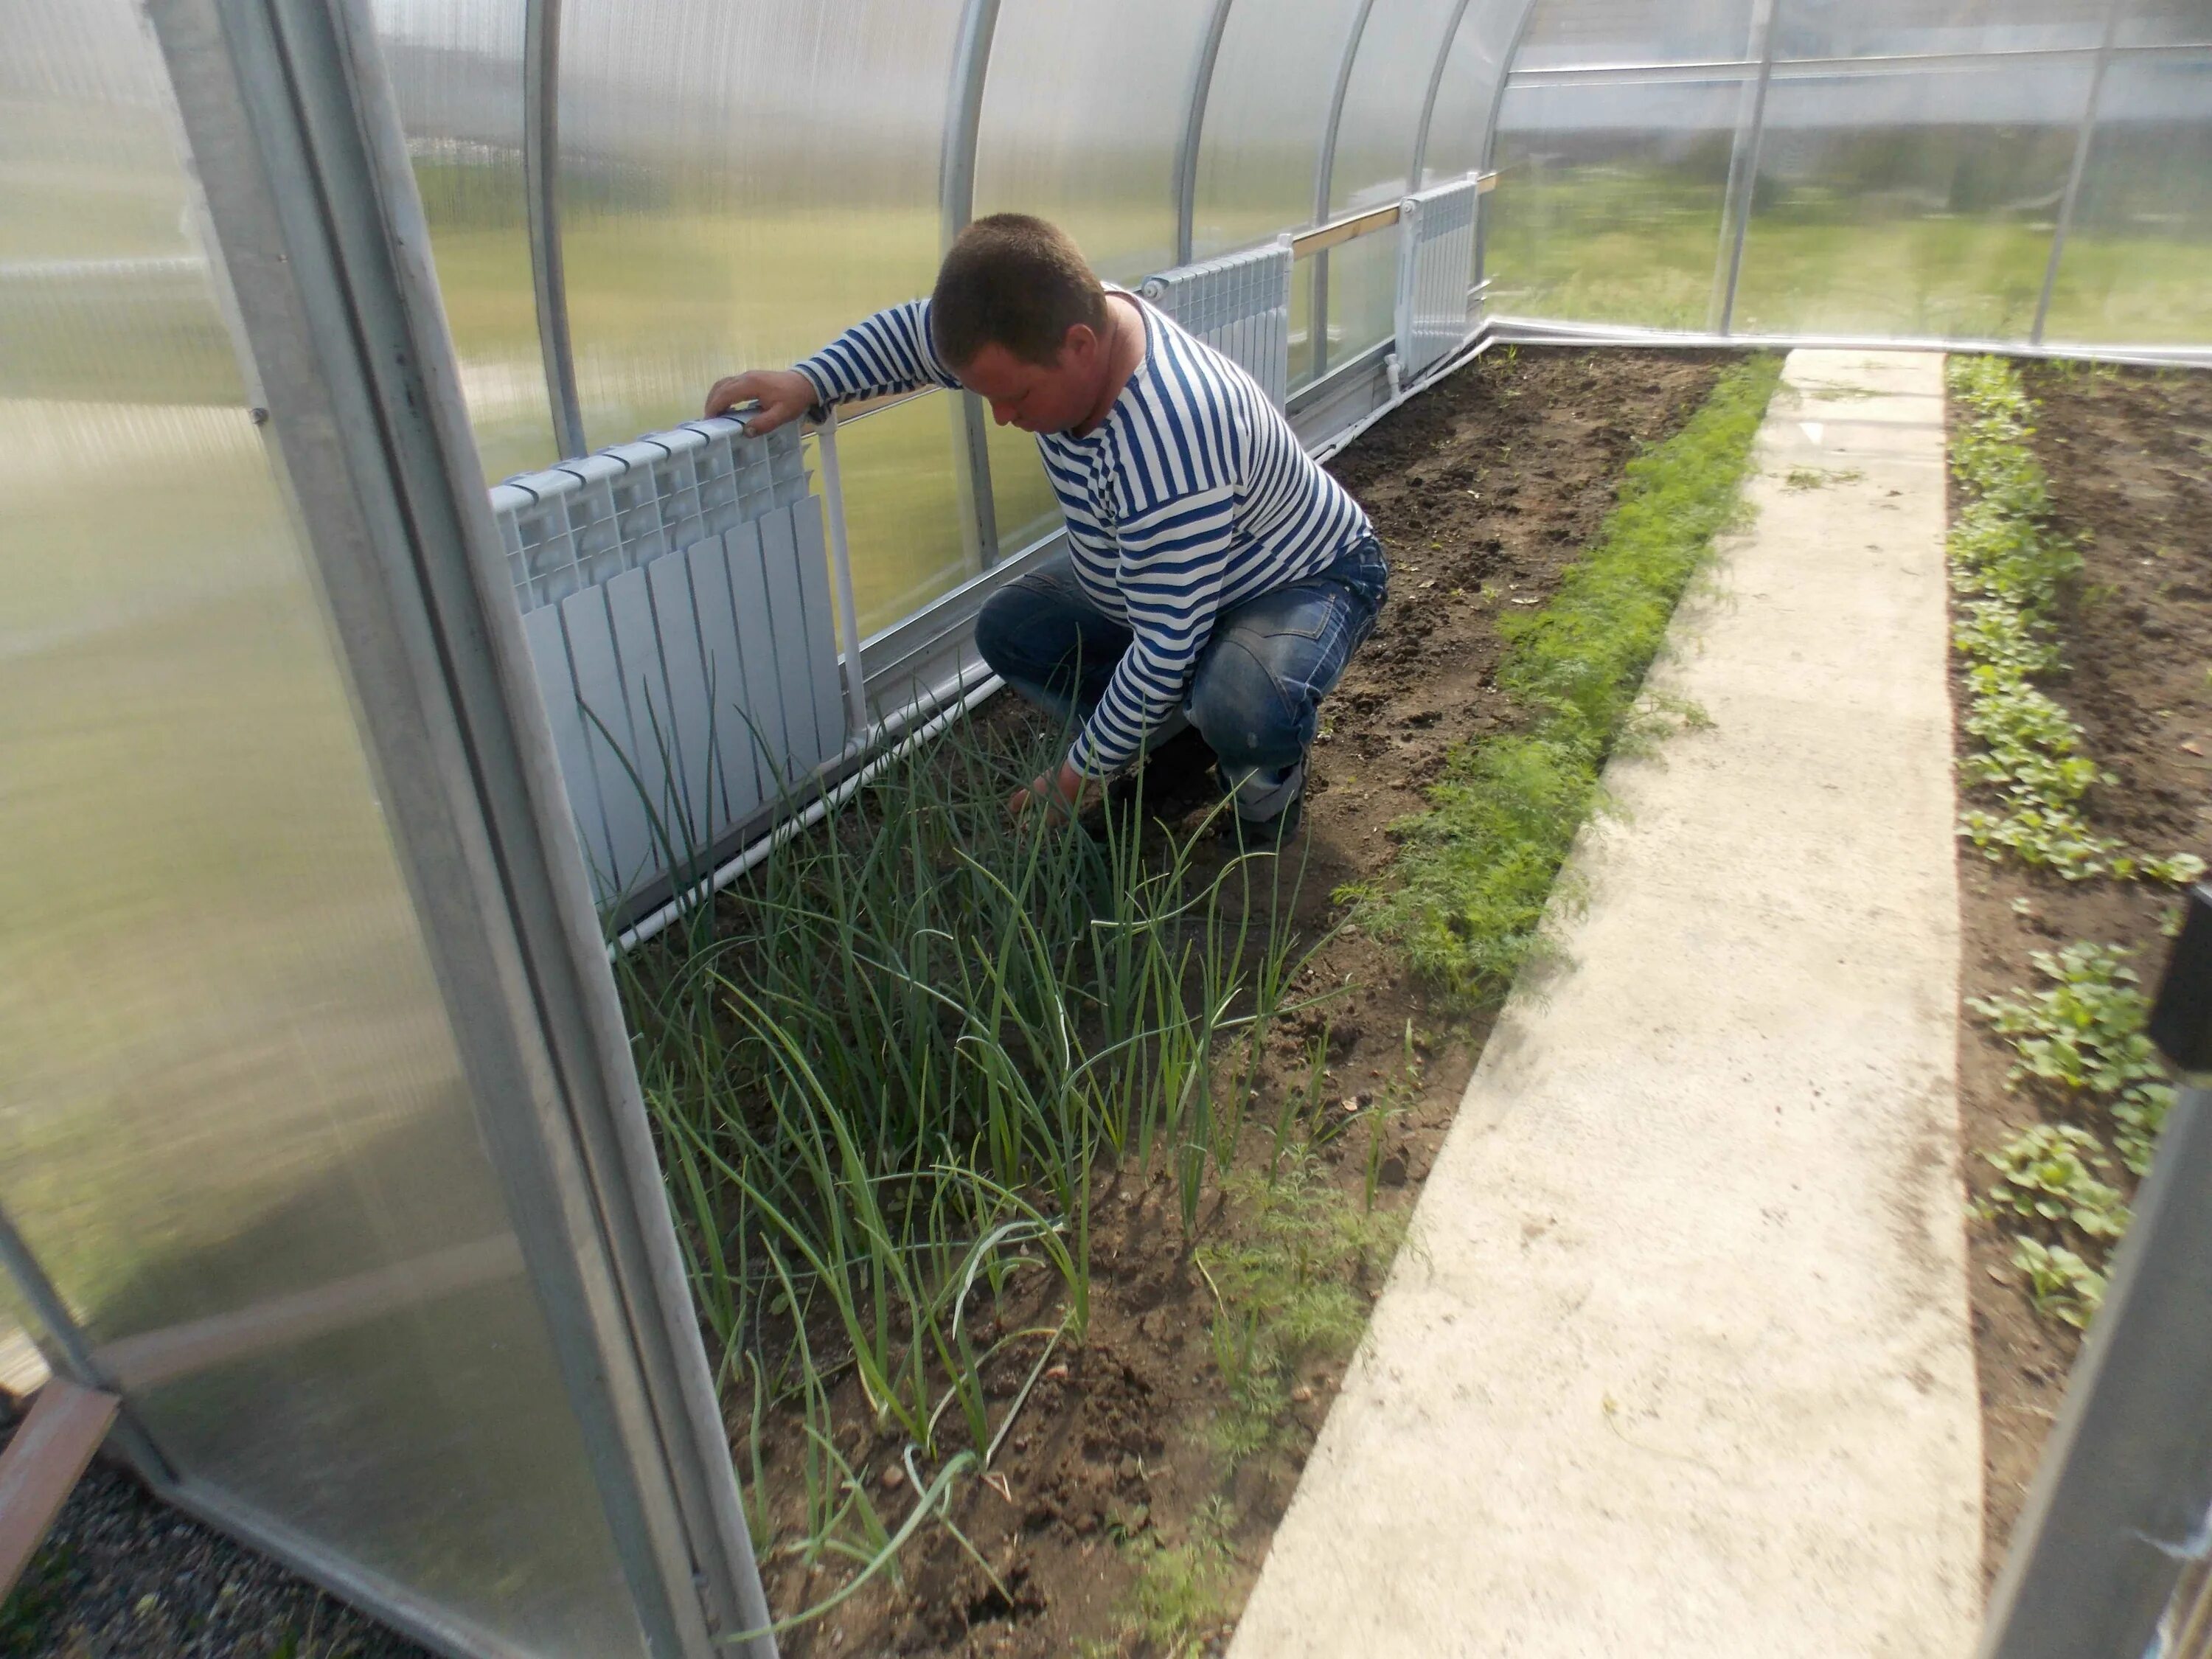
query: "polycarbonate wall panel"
1082, 116
233, 1127
2137, 265
1610, 199
1890, 28
1363, 295
1262, 144
738, 183
1382, 104
1586, 33
457, 70
1917, 204
2167, 23
1472, 69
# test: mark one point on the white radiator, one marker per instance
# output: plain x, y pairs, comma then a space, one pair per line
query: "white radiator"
676, 595
1435, 263
1240, 305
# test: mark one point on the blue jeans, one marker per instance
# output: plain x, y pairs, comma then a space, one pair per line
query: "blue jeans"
1254, 694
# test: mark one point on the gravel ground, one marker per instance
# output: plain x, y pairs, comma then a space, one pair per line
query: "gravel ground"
122, 1575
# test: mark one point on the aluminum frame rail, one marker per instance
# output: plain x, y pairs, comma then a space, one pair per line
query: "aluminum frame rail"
296, 139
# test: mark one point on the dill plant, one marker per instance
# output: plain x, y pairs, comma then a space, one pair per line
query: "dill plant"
1466, 895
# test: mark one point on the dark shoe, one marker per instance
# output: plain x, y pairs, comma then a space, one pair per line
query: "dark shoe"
1264, 835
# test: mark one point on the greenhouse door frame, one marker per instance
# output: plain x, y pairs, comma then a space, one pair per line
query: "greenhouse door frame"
297, 143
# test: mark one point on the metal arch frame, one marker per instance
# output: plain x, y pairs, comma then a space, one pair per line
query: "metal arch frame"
298, 150
956, 185
541, 164
1743, 172
1417, 164
1193, 127
1489, 151
2082, 140
1324, 184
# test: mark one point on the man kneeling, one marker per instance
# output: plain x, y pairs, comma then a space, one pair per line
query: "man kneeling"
1213, 572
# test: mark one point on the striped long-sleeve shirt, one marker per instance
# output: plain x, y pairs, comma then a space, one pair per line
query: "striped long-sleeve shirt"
1192, 497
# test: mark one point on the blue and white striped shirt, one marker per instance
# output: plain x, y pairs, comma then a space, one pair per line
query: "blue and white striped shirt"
1192, 497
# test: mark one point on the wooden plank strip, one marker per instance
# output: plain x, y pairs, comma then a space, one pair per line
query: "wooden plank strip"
41, 1468
1347, 230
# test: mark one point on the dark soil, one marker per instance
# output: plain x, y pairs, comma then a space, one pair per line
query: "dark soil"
1483, 491
2130, 458
123, 1576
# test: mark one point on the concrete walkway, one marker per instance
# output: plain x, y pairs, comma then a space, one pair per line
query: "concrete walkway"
1676, 1360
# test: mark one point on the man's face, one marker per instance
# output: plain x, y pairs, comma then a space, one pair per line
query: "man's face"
1054, 396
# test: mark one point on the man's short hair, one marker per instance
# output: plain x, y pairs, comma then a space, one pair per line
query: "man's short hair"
1013, 281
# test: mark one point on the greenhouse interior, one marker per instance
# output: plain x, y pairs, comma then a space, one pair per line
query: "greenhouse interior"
549, 1108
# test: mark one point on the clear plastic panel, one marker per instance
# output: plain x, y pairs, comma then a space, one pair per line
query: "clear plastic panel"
1363, 295
1382, 105
1022, 495
1610, 199
2167, 23
233, 1127
457, 70
901, 507
1580, 34
1915, 204
2137, 265
738, 183
1891, 28
1465, 96
1082, 116
1301, 360
1262, 144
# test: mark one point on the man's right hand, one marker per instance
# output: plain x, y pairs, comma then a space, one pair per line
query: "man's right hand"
783, 394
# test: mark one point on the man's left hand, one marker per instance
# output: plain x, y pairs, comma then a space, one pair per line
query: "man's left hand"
1064, 791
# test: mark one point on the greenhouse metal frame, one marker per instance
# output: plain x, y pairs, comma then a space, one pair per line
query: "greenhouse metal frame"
367, 1231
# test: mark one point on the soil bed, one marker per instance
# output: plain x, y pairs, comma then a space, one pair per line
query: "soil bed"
1483, 490
2129, 455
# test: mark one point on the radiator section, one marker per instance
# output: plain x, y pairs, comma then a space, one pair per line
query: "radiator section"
1240, 305
1436, 266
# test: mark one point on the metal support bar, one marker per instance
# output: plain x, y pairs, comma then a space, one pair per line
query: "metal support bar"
1419, 162
1743, 172
2119, 1501
963, 117
71, 1353
296, 139
2082, 143
1743, 182
1488, 155
1532, 330
1324, 185
541, 163
841, 573
1193, 127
